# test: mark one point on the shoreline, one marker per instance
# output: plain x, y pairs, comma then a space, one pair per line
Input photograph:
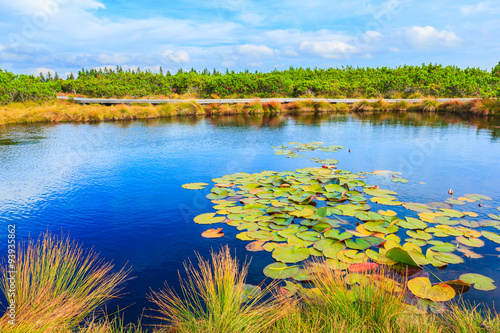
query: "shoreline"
68, 110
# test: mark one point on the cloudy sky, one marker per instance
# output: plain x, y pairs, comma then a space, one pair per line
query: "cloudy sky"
66, 35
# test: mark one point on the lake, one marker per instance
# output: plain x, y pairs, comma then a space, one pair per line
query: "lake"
116, 187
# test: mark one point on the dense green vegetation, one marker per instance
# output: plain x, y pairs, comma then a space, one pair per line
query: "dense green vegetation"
350, 82
405, 81
23, 88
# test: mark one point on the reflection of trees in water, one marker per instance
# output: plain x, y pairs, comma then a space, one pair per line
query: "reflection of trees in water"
418, 119
246, 120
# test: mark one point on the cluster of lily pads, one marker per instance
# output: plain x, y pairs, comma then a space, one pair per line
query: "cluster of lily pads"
325, 212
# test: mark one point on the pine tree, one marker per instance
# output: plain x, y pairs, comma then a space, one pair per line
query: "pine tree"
161, 71
42, 78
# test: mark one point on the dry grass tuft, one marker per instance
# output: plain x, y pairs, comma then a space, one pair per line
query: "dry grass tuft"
213, 299
58, 285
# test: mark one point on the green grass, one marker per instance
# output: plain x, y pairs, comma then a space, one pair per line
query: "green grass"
58, 285
213, 300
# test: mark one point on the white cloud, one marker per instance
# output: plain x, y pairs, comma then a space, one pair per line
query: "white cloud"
177, 57
475, 9
42, 70
115, 58
428, 37
373, 34
255, 51
328, 49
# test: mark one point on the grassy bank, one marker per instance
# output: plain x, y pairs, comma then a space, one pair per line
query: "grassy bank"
66, 111
61, 287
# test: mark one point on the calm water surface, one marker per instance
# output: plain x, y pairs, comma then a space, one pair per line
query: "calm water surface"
116, 187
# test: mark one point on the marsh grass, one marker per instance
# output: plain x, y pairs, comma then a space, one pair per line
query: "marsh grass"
362, 106
65, 111
213, 299
337, 303
58, 285
485, 106
428, 105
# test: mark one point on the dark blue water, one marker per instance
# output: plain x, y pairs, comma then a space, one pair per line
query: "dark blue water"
116, 187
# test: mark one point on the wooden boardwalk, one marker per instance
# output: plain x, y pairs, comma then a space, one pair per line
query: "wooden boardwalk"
110, 101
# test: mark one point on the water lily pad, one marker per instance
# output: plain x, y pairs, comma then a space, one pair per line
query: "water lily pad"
400, 180
477, 197
419, 234
280, 270
351, 256
411, 223
208, 218
445, 220
479, 281
450, 212
428, 217
309, 235
471, 242
357, 244
454, 201
494, 237
335, 233
255, 246
400, 255
249, 292
493, 216
260, 235
302, 276
333, 250
290, 254
422, 287
194, 186
363, 267
323, 244
417, 207
213, 233
448, 258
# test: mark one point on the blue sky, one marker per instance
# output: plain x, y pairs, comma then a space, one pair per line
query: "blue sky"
66, 35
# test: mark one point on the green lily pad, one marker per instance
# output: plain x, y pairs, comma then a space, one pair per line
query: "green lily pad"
419, 234
335, 233
450, 212
493, 216
194, 186
208, 218
417, 207
494, 237
280, 270
479, 281
310, 235
249, 292
333, 250
357, 244
400, 180
471, 242
448, 258
290, 254
477, 197
411, 223
323, 244
400, 255
454, 201
302, 276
